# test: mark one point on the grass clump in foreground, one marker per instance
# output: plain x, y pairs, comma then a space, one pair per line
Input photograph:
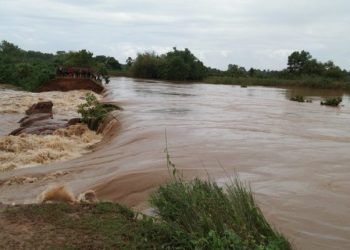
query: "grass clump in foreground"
203, 215
332, 101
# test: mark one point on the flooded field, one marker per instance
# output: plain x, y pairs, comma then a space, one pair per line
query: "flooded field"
294, 155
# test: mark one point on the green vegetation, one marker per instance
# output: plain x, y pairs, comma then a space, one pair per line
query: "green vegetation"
300, 63
203, 215
298, 98
302, 71
308, 82
190, 215
30, 69
196, 214
84, 226
26, 69
93, 112
332, 101
178, 65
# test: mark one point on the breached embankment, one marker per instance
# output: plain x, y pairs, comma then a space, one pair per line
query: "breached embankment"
68, 84
31, 159
294, 155
28, 150
64, 103
31, 149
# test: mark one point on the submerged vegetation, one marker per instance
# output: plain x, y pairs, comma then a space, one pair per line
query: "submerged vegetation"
335, 101
298, 98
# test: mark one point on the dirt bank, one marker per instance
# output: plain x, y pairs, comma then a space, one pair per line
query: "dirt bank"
67, 84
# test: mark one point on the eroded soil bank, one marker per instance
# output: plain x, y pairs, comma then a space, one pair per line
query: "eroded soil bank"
295, 155
69, 84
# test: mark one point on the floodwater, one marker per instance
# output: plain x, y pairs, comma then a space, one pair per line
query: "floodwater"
294, 155
32, 150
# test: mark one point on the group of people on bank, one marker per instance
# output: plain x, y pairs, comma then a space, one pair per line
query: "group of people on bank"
77, 72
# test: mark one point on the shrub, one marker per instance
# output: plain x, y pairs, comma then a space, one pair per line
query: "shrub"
203, 215
93, 112
297, 98
332, 101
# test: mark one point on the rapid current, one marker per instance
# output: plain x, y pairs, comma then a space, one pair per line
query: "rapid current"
295, 156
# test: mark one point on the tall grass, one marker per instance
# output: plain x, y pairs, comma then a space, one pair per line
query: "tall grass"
202, 215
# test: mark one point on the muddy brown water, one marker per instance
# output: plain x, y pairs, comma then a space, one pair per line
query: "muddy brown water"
296, 156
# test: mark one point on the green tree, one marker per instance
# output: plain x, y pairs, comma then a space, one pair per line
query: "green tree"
236, 71
113, 63
82, 58
174, 68
146, 66
129, 61
313, 67
174, 65
333, 71
10, 51
297, 61
182, 65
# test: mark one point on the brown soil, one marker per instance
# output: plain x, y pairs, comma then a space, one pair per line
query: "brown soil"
80, 226
67, 84
34, 228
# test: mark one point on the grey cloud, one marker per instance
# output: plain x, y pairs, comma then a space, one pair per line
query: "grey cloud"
257, 33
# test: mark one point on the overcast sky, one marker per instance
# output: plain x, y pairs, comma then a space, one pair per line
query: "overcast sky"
251, 33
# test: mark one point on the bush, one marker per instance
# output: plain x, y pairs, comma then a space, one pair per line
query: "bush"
297, 98
332, 101
93, 112
203, 215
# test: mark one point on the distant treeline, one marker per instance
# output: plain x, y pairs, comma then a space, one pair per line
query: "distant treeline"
30, 69
179, 65
302, 70
299, 65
